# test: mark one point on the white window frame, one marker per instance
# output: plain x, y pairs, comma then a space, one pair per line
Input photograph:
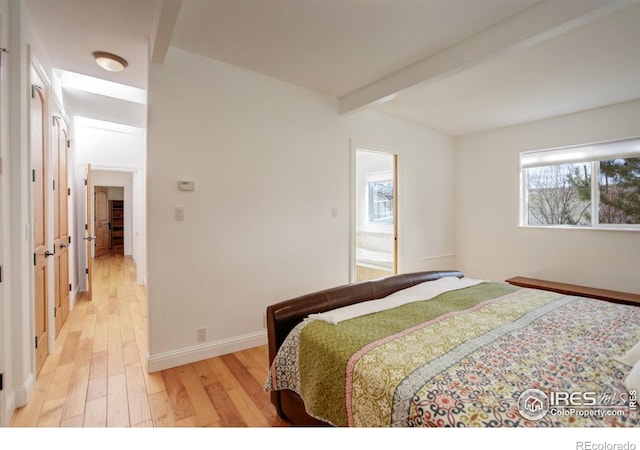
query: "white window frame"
589, 153
378, 177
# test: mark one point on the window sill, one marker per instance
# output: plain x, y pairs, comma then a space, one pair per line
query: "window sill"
573, 227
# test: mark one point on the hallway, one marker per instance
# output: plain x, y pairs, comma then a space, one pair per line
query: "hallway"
96, 375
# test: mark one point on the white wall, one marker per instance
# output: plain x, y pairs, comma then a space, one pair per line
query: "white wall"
102, 146
490, 243
270, 161
24, 46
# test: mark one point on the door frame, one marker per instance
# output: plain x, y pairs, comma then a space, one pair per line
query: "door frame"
138, 227
48, 218
387, 150
4, 316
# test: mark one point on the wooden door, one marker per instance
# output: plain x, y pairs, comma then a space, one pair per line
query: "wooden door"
65, 237
89, 238
101, 205
60, 222
40, 252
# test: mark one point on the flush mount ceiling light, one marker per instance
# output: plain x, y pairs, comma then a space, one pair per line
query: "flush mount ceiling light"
110, 62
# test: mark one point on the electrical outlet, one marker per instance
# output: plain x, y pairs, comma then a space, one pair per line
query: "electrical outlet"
202, 334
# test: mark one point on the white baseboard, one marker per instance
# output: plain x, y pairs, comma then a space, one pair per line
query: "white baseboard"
23, 393
72, 297
186, 355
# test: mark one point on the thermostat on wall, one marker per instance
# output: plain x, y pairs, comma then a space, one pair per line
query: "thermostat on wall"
186, 185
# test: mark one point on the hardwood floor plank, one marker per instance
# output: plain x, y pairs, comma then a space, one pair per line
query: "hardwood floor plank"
147, 424
117, 401
73, 422
187, 422
139, 411
76, 397
154, 382
97, 388
89, 327
242, 374
207, 377
178, 396
99, 364
222, 374
257, 370
51, 413
205, 413
77, 321
100, 337
229, 415
70, 347
248, 410
115, 361
130, 352
161, 410
95, 414
60, 382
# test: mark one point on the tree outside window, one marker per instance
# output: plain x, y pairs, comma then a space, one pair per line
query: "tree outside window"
593, 192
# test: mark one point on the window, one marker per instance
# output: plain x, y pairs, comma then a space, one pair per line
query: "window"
380, 188
588, 186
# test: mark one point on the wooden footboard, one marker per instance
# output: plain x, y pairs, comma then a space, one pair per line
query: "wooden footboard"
284, 316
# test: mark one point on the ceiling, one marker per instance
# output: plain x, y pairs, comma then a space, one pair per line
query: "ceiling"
456, 66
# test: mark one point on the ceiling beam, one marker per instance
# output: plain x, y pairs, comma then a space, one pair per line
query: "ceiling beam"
166, 17
534, 25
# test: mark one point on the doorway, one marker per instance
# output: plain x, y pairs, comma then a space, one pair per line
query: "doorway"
115, 215
375, 237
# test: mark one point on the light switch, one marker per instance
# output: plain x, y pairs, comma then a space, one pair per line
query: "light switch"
179, 212
334, 212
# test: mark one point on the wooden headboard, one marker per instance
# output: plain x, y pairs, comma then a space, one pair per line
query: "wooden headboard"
284, 316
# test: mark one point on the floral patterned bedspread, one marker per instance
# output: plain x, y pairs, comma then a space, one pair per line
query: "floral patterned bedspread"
464, 359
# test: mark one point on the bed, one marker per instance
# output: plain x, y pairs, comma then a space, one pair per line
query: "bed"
439, 349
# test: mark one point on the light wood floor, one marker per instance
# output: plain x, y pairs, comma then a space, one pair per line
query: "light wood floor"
96, 375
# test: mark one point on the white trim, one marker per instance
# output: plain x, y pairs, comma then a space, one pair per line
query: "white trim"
187, 355
395, 154
608, 227
73, 296
352, 214
5, 402
23, 393
430, 258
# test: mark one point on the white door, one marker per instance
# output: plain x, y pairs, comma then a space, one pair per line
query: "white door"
375, 233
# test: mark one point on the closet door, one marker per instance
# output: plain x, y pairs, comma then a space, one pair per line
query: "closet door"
60, 222
65, 237
40, 251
